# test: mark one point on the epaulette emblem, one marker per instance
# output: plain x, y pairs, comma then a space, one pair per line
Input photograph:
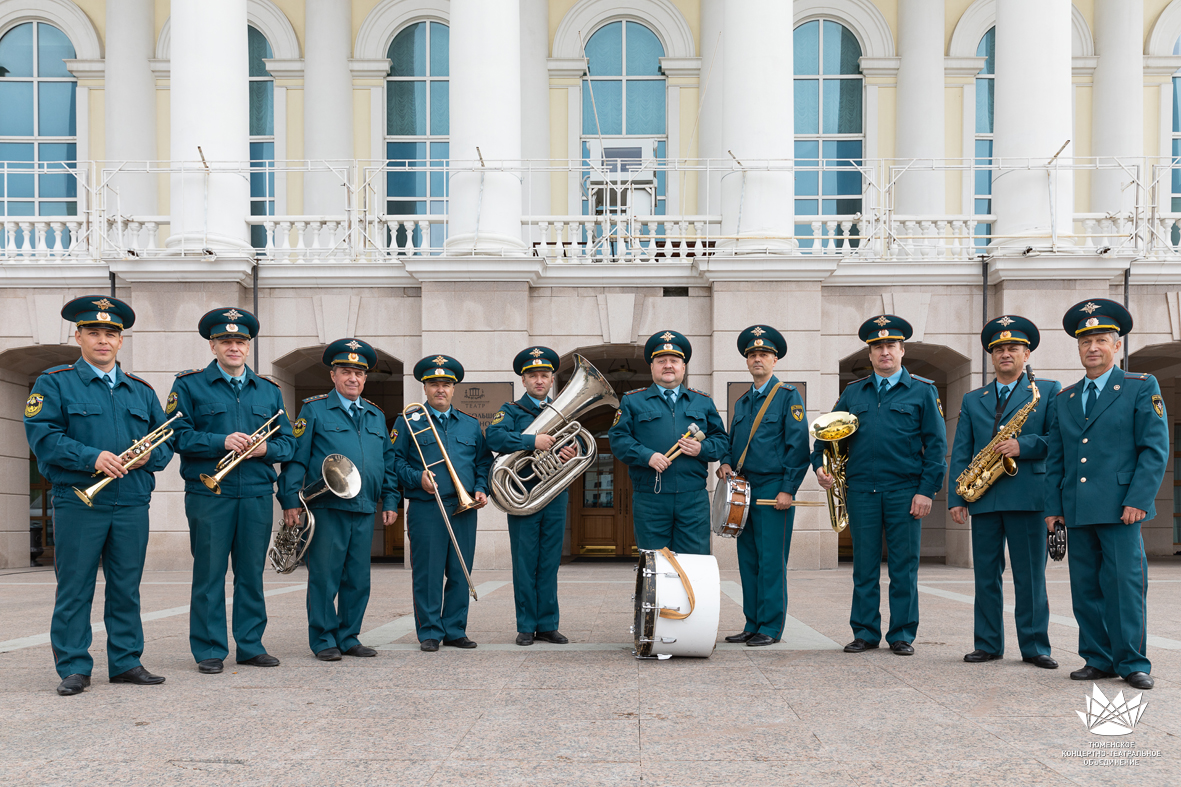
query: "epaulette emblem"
703, 393
140, 380
375, 407
187, 372
315, 398
634, 391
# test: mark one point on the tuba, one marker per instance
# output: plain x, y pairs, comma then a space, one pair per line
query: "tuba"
832, 428
513, 473
339, 476
988, 465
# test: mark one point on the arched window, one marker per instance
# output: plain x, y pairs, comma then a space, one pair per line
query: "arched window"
829, 126
417, 111
623, 97
262, 135
985, 96
38, 146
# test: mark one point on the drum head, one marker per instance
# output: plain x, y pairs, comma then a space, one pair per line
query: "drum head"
720, 507
645, 623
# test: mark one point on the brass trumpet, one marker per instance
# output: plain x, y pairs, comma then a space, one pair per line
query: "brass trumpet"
233, 458
412, 413
832, 428
138, 450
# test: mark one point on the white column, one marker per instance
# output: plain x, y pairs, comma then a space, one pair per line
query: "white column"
758, 123
210, 104
535, 109
1033, 118
1117, 101
130, 102
485, 204
919, 117
327, 103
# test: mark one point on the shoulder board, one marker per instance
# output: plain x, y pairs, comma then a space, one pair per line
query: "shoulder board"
461, 412
272, 382
788, 386
1135, 376
981, 388
375, 407
187, 372
315, 398
140, 380
634, 391
861, 379
1067, 388
922, 379
514, 404
703, 393
56, 369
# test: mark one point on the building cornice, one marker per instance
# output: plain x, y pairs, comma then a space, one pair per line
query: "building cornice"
183, 269
375, 68
674, 67
87, 69
284, 69
568, 67
963, 67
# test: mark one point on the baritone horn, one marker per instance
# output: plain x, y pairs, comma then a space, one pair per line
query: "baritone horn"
138, 450
512, 474
233, 458
339, 476
832, 428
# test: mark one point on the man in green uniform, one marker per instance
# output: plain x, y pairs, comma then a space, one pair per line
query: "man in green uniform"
223, 405
78, 420
897, 461
1108, 451
341, 422
669, 502
1011, 509
440, 588
535, 539
774, 460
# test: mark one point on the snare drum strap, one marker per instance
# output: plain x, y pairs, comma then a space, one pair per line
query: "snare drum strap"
754, 427
669, 613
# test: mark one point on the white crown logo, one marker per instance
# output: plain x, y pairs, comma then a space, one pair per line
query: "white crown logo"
1112, 717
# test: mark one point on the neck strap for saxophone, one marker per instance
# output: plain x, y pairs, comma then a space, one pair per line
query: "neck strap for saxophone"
754, 427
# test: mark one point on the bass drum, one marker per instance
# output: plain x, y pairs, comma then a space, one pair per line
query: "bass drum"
731, 506
678, 600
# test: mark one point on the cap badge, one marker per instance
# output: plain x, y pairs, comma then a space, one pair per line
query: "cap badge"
758, 342
758, 331
882, 334
104, 317
353, 357
1092, 322
883, 321
536, 353
668, 347
667, 336
439, 360
1006, 334
353, 345
232, 314
441, 372
1006, 321
1091, 308
231, 328
103, 304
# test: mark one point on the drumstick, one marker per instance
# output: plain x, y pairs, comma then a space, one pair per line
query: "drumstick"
767, 502
697, 435
686, 434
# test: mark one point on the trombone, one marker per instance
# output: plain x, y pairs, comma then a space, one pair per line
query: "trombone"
138, 450
412, 412
233, 458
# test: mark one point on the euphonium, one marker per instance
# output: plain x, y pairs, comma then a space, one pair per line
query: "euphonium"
339, 476
233, 458
988, 465
513, 473
138, 450
832, 428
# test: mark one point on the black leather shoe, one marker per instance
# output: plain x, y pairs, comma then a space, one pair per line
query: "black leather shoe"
361, 651
1090, 673
901, 648
74, 684
1140, 680
1043, 661
524, 638
261, 660
554, 637
429, 645
462, 642
978, 656
743, 637
329, 654
760, 639
860, 646
210, 666
139, 676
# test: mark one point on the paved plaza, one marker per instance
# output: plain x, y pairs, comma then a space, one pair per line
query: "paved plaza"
801, 712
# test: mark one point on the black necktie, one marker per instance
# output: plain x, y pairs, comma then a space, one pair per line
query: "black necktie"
1001, 398
1089, 397
882, 388
236, 386
668, 397
355, 414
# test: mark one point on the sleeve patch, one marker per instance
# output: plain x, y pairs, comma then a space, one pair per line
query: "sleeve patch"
939, 404
394, 435
171, 405
1158, 404
299, 427
618, 413
797, 412
497, 418
34, 404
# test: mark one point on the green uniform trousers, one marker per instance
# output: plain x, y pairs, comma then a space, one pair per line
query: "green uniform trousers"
763, 548
118, 535
871, 513
440, 589
234, 530
536, 543
677, 520
1025, 531
1108, 587
338, 577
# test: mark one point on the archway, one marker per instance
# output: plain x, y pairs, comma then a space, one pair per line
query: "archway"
1162, 536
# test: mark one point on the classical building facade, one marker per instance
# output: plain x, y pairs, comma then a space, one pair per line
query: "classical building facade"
473, 176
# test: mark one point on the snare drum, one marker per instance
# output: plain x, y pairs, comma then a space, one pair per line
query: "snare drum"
690, 601
731, 506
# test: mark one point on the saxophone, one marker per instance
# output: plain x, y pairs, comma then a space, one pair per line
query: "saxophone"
987, 466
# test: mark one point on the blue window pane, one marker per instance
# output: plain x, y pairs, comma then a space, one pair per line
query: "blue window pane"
257, 48
984, 105
16, 151
842, 152
405, 108
262, 108
661, 174
607, 101
806, 48
807, 183
16, 51
604, 51
17, 118
406, 183
440, 107
440, 49
840, 207
645, 106
400, 152
439, 153
983, 207
643, 52
258, 207
984, 151
807, 152
58, 185
407, 52
20, 208
438, 208
405, 208
262, 152
1176, 106
19, 186
59, 151
841, 50
842, 106
842, 182
52, 48
983, 184
987, 48
807, 207
807, 106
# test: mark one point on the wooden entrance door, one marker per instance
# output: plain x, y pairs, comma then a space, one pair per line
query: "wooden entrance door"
600, 508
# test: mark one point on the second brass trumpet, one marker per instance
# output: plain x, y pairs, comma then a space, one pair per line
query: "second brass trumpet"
233, 458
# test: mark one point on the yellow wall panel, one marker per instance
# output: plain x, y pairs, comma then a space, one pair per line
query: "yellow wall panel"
1081, 146
887, 108
163, 126
97, 125
952, 11
295, 150
361, 110
1152, 9
361, 9
96, 12
889, 10
559, 127
293, 10
953, 147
